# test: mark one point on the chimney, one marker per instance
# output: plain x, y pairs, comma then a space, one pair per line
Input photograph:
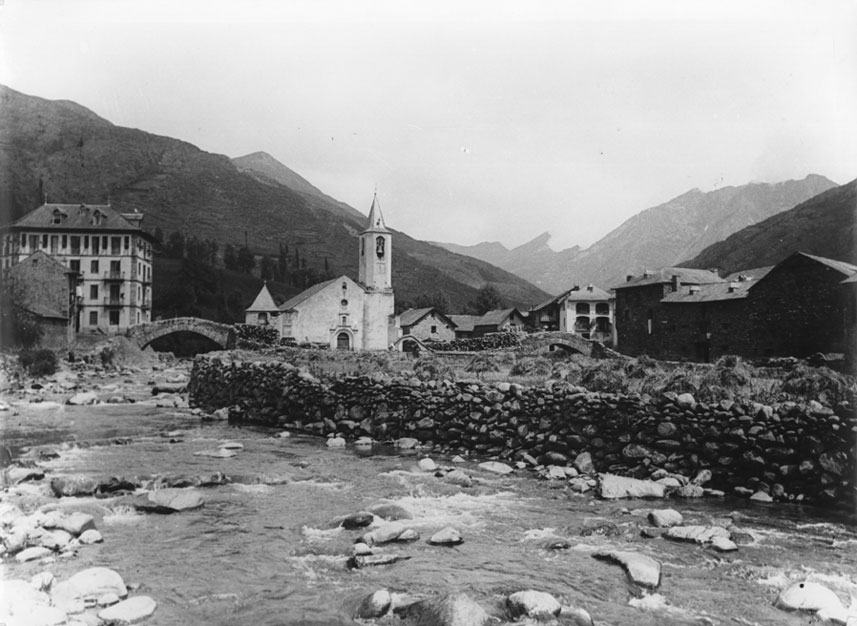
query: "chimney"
694, 289
733, 286
629, 278
648, 273
676, 283
589, 288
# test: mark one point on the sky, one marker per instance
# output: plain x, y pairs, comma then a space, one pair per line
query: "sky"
474, 120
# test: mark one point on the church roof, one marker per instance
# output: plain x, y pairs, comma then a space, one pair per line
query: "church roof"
375, 223
263, 301
309, 293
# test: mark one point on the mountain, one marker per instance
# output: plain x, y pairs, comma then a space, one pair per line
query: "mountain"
657, 237
823, 225
62, 150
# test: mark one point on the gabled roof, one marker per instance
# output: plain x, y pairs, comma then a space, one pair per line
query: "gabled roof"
263, 301
840, 266
309, 293
88, 217
850, 280
687, 276
46, 312
375, 224
413, 316
756, 273
465, 323
495, 318
40, 256
590, 293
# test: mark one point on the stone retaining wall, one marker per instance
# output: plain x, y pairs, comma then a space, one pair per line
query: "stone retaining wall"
792, 451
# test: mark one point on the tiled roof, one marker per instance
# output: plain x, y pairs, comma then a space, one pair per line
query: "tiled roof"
41, 255
308, 293
686, 276
43, 311
710, 293
840, 266
589, 293
495, 318
76, 217
756, 273
263, 301
412, 316
465, 323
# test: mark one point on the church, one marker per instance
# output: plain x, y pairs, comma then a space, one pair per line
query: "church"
341, 313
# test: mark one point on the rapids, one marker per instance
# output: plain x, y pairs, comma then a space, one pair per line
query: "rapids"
264, 550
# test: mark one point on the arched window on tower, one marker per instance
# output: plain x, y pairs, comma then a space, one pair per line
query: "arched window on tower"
379, 246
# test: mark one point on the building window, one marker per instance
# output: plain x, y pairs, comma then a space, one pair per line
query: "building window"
74, 265
44, 241
434, 330
582, 308
64, 242
115, 245
602, 308
96, 218
127, 243
95, 246
75, 245
93, 267
114, 318
23, 240
344, 320
93, 292
93, 318
86, 242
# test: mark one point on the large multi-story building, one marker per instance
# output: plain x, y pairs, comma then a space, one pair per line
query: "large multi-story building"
109, 251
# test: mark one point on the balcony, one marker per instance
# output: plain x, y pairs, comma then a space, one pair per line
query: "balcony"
113, 301
114, 275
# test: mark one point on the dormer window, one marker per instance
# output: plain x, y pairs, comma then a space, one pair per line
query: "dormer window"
58, 217
96, 217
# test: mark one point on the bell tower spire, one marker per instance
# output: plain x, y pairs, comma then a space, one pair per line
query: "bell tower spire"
376, 262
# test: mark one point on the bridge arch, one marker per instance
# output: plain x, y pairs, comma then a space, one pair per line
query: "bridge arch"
221, 334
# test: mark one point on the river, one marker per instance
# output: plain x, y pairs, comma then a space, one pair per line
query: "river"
264, 551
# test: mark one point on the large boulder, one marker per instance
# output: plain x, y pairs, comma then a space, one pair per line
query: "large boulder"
129, 611
76, 523
665, 518
166, 500
83, 398
384, 534
696, 534
642, 570
359, 519
531, 603
612, 487
390, 511
374, 605
90, 583
446, 537
454, 609
807, 596
496, 467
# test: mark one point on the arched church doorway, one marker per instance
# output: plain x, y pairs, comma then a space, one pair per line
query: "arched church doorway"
343, 341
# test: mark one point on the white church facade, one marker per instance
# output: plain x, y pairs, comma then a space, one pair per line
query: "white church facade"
342, 313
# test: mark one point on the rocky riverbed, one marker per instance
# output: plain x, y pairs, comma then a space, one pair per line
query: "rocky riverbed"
121, 503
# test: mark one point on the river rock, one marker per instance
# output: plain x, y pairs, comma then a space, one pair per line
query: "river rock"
583, 463
427, 465
371, 560
576, 616
702, 477
89, 583
91, 536
721, 544
76, 523
807, 596
108, 599
555, 473
335, 442
458, 477
495, 467
129, 611
612, 487
665, 518
360, 549
454, 609
761, 496
31, 554
696, 534
360, 519
535, 604
42, 581
642, 570
217, 453
390, 511
553, 458
231, 445
446, 537
409, 534
15, 475
166, 500
55, 540
83, 398
374, 605
690, 491
407, 443
685, 401
384, 534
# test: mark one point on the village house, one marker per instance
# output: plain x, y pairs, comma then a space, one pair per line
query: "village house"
795, 308
464, 325
427, 324
501, 320
341, 313
587, 312
46, 289
109, 251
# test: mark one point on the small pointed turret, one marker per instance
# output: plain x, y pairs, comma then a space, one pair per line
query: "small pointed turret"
376, 220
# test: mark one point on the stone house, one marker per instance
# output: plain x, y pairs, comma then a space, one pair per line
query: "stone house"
587, 312
427, 324
501, 320
342, 314
464, 325
109, 251
795, 308
48, 290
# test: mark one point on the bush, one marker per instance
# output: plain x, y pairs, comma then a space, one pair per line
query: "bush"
819, 383
39, 362
537, 366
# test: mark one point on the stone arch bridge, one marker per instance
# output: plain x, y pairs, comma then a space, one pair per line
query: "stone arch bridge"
221, 334
553, 340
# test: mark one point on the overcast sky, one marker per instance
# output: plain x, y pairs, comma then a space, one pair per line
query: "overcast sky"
475, 120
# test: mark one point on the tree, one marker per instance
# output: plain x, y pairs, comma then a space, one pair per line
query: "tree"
283, 263
230, 260
482, 362
175, 246
437, 300
159, 236
246, 260
488, 299
266, 268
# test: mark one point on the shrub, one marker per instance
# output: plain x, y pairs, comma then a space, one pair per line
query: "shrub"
819, 383
537, 366
39, 362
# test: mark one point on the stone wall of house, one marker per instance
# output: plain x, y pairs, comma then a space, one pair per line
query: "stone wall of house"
793, 451
633, 307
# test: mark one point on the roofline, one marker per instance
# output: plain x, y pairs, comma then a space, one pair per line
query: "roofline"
136, 230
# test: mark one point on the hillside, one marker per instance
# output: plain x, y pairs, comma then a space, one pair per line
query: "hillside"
660, 236
70, 154
823, 225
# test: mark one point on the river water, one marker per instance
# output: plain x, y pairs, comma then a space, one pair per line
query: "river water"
265, 552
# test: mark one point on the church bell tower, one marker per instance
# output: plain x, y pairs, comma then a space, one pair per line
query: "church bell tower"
376, 254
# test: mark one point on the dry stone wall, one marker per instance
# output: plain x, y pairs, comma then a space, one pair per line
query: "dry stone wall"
792, 451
